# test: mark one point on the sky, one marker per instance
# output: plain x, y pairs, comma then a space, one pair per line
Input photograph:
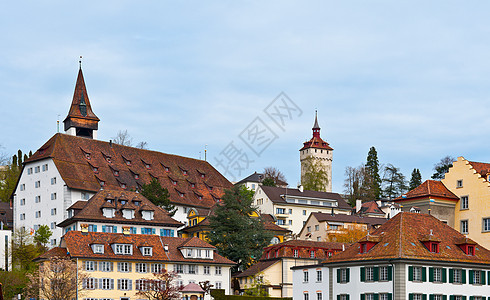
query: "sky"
410, 78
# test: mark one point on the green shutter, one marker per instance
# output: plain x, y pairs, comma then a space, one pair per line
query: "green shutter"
488, 279
410, 274
424, 274
451, 297
348, 274
463, 276
338, 276
363, 274
390, 296
471, 276
444, 275
451, 276
390, 273
363, 297
424, 297
431, 297
482, 276
464, 297
444, 297
348, 297
376, 296
376, 274
472, 297
431, 277
338, 296
410, 296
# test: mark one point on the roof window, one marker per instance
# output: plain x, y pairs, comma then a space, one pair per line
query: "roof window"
467, 245
126, 161
146, 164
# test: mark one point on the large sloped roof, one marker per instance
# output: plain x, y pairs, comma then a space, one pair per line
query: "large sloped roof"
92, 210
84, 163
276, 194
323, 217
429, 188
401, 236
481, 168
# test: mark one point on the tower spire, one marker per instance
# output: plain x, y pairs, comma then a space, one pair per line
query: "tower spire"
81, 120
316, 128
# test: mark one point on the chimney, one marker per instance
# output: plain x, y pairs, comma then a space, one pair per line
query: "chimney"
165, 247
110, 143
300, 188
358, 205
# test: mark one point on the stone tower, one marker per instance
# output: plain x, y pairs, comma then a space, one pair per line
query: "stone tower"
81, 120
320, 152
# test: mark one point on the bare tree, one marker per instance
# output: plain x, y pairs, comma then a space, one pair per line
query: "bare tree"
161, 286
123, 138
275, 174
57, 279
142, 145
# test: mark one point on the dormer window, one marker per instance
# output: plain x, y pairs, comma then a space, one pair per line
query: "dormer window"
467, 245
98, 248
123, 185
367, 243
123, 201
108, 212
136, 176
167, 169
137, 203
434, 247
124, 249
128, 213
180, 194
471, 250
147, 251
107, 158
126, 161
189, 252
87, 156
147, 165
102, 183
116, 172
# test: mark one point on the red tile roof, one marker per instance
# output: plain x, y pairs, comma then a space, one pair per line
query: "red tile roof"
83, 163
371, 207
92, 210
52, 253
429, 188
401, 238
78, 245
316, 142
286, 249
256, 268
481, 168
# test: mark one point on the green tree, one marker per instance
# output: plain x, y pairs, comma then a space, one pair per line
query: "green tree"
268, 181
442, 167
373, 180
315, 177
234, 231
41, 237
13, 281
258, 287
394, 182
415, 180
24, 250
158, 195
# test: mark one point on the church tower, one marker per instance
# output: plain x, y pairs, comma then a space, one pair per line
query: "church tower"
81, 120
321, 154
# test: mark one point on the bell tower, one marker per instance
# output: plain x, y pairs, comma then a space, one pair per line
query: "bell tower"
318, 153
81, 120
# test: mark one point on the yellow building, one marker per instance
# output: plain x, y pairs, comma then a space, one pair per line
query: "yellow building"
470, 181
117, 263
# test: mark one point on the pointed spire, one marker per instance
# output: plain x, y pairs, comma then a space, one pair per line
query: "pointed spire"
81, 117
315, 126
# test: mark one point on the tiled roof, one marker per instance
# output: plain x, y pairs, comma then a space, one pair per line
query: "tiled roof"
400, 238
84, 163
270, 225
428, 188
92, 210
371, 207
256, 268
316, 142
258, 178
286, 249
192, 287
80, 204
275, 195
481, 168
52, 253
322, 217
78, 245
195, 242
6, 214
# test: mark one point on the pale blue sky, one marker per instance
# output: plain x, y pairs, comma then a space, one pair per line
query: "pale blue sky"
408, 77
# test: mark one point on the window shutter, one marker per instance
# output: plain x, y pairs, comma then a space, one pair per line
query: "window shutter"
95, 283
451, 297
347, 297
444, 275
348, 274
424, 297
431, 278
463, 276
424, 274
153, 231
95, 228
95, 265
84, 283
130, 264
119, 267
431, 297
410, 296
376, 274
464, 297
471, 276
103, 228
338, 296
363, 297
363, 275
100, 282
390, 273
390, 296
130, 285
112, 284
119, 284
376, 296
161, 232
472, 297
410, 274
482, 277
142, 231
451, 276
172, 233
114, 229
444, 297
338, 277
488, 279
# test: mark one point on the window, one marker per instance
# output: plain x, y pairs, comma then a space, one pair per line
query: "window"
281, 222
312, 254
38, 214
319, 275
23, 201
434, 247
45, 167
53, 242
464, 226
486, 225
124, 284
53, 181
206, 270
22, 216
477, 277
37, 169
53, 211
22, 187
218, 284
53, 225
90, 266
317, 227
344, 297
53, 196
124, 249
319, 296
416, 296
92, 228
207, 253
218, 271
147, 251
369, 274
192, 269
437, 274
304, 212
457, 276
106, 284
105, 266
343, 275
189, 252
179, 269
306, 296
142, 267
90, 283
369, 296
280, 211
384, 296
464, 202
37, 199
383, 273
85, 196
305, 276
459, 183
124, 267
308, 228
29, 171
166, 232
156, 268
295, 252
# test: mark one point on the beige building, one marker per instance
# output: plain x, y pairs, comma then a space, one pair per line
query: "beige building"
470, 181
319, 225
